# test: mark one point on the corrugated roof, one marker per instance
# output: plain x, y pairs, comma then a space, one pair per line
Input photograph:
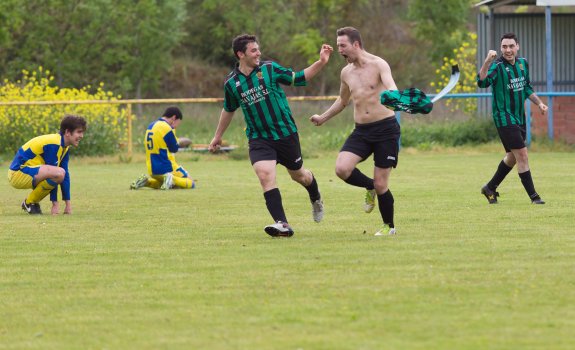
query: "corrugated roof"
497, 3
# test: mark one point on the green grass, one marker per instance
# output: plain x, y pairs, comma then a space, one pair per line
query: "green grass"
194, 270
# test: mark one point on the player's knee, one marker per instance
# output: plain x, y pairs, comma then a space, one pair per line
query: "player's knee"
264, 174
301, 176
59, 176
380, 185
298, 177
342, 172
509, 161
522, 158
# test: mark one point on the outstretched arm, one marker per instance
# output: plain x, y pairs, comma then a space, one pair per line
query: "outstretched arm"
312, 70
225, 120
340, 103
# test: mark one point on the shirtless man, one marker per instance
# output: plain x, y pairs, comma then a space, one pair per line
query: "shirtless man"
376, 128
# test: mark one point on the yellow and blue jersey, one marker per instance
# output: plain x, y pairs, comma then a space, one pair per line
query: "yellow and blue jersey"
44, 150
161, 144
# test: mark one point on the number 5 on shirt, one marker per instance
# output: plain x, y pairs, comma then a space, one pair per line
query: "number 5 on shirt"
150, 141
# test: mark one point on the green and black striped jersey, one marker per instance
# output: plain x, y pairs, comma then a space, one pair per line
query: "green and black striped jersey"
262, 99
510, 86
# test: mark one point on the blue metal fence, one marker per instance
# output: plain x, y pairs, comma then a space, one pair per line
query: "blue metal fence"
527, 109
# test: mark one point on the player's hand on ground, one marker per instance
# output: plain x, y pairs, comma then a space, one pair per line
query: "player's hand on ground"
491, 56
215, 144
316, 120
55, 208
325, 52
543, 107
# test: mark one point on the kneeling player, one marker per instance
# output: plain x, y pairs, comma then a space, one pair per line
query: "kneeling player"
161, 143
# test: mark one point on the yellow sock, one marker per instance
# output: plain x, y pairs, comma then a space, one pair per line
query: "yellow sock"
41, 191
183, 182
154, 182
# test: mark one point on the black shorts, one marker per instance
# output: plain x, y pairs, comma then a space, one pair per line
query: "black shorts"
380, 138
512, 137
286, 151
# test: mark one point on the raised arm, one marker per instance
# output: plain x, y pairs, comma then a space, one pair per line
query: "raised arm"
315, 67
491, 55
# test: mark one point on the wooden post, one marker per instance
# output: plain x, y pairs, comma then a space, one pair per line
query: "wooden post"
129, 128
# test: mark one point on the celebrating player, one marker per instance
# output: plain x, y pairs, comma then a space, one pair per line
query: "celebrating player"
508, 77
254, 86
376, 128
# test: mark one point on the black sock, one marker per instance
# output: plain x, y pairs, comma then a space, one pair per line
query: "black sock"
359, 179
502, 171
313, 190
274, 203
385, 202
527, 182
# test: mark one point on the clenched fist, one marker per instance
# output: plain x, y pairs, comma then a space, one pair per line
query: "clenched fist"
491, 55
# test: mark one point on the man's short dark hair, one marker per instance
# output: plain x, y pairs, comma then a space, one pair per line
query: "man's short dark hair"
72, 122
352, 34
509, 36
240, 43
173, 111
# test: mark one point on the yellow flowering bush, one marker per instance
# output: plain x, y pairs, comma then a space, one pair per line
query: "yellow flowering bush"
464, 56
20, 123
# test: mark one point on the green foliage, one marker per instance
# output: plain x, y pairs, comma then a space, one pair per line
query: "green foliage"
465, 57
18, 124
127, 44
328, 139
132, 45
150, 30
10, 19
289, 32
440, 24
222, 20
308, 44
469, 132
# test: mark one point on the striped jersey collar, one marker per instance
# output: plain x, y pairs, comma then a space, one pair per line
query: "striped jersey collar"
237, 70
501, 59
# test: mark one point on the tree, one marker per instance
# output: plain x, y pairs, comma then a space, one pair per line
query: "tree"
440, 24
127, 44
151, 30
10, 20
290, 32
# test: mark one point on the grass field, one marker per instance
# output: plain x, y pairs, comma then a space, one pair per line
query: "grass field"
194, 270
